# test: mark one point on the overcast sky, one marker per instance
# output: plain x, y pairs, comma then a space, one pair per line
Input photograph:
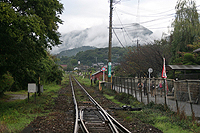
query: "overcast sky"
156, 15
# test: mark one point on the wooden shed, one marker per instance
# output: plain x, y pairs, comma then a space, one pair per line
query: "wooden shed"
189, 71
98, 75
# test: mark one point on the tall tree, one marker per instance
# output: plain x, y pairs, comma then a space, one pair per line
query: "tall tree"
186, 27
27, 29
138, 60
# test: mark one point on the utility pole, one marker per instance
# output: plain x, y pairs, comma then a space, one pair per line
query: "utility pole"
110, 43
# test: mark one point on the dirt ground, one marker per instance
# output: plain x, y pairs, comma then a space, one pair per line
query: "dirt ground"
62, 118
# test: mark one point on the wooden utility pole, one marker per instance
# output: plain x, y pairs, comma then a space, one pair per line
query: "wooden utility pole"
110, 38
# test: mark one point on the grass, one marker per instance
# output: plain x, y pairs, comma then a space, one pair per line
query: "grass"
85, 81
22, 92
113, 99
154, 114
16, 115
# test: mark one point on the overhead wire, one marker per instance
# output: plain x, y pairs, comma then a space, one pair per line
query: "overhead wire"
130, 24
151, 15
123, 28
162, 16
138, 19
119, 40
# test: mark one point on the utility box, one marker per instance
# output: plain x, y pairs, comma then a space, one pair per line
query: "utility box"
32, 87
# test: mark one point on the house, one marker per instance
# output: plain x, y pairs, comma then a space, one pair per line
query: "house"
64, 66
98, 75
76, 68
94, 65
83, 67
100, 64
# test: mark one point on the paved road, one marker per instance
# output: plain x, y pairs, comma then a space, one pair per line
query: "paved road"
183, 106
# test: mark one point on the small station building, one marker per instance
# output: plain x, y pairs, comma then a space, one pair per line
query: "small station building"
98, 75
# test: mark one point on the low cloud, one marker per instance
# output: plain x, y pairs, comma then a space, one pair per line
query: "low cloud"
98, 36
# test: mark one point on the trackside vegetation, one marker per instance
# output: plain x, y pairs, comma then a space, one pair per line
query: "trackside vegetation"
28, 31
16, 115
156, 115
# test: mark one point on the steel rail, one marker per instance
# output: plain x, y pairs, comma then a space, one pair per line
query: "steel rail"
114, 129
75, 106
110, 119
83, 127
118, 124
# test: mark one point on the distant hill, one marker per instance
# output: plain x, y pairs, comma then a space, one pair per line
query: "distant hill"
98, 55
73, 52
97, 36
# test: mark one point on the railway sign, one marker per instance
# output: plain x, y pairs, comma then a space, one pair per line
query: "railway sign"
150, 70
109, 69
103, 69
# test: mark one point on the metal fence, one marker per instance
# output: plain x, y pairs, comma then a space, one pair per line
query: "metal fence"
181, 95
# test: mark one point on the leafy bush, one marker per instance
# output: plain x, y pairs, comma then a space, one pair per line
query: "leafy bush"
6, 82
125, 98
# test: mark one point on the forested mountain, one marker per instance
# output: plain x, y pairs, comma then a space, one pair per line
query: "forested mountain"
74, 51
94, 56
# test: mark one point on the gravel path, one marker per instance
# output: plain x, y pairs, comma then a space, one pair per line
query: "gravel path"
61, 119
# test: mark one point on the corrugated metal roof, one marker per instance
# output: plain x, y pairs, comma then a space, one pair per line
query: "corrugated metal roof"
183, 67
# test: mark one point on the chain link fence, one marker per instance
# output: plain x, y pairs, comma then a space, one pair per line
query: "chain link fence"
181, 95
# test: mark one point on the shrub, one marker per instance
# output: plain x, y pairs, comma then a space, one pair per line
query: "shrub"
125, 98
6, 82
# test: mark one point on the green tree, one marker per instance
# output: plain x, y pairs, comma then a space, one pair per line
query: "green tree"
186, 27
6, 82
27, 29
74, 62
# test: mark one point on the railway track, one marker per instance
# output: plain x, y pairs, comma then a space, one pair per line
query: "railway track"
90, 116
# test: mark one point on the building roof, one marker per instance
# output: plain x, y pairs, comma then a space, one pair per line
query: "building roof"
197, 50
183, 67
96, 73
64, 66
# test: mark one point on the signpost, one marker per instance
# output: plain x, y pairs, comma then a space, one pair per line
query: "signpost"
32, 88
103, 69
150, 70
109, 69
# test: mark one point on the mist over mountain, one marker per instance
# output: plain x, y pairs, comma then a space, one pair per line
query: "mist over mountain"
98, 36
74, 51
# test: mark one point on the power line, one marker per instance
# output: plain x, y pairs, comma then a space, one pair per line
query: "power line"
123, 27
156, 15
131, 24
119, 40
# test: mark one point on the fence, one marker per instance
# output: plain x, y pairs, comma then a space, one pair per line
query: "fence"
182, 95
